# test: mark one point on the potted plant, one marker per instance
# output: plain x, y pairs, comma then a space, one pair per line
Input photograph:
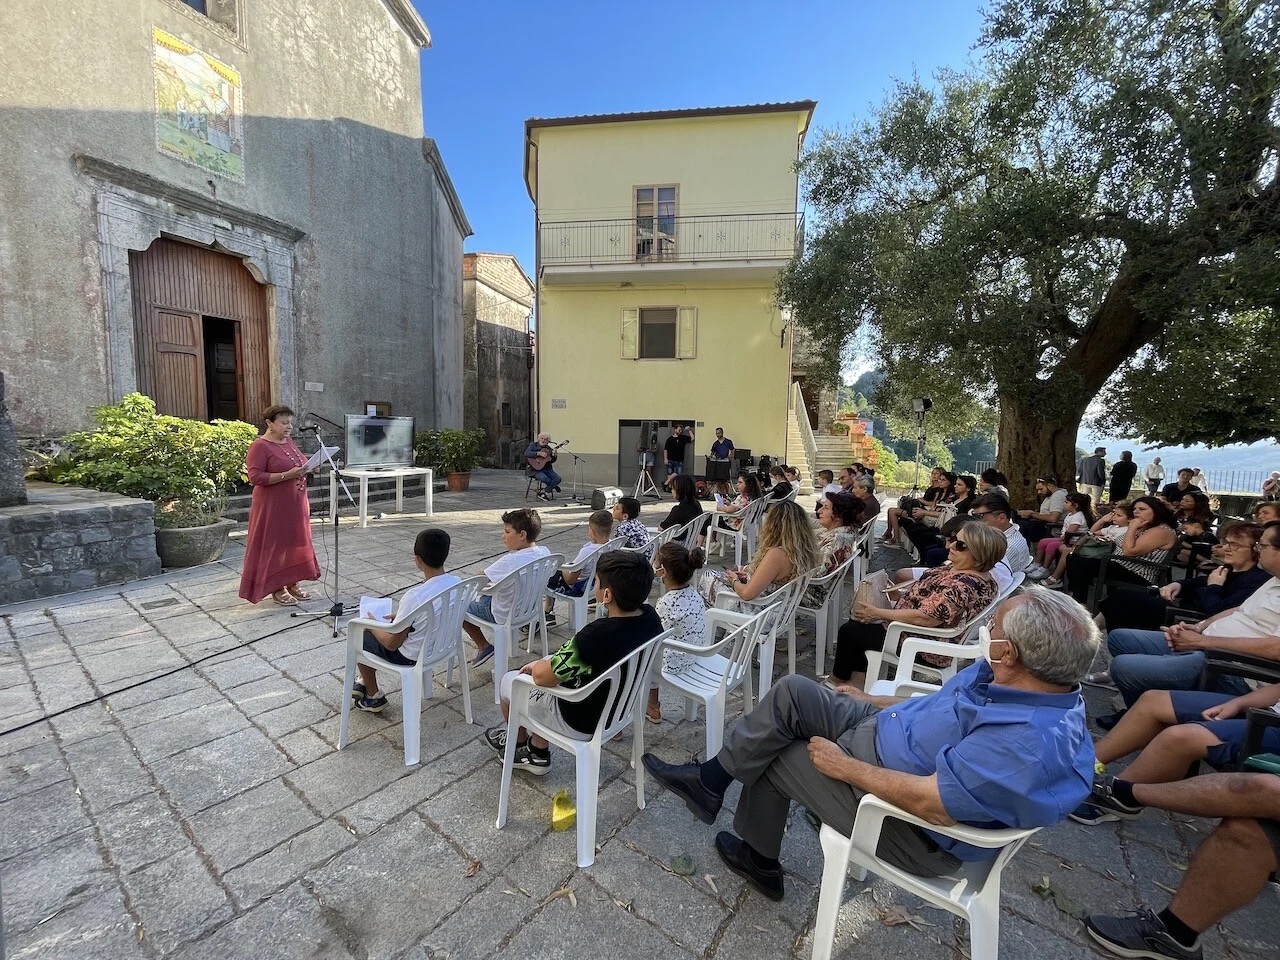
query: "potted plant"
454, 453
184, 467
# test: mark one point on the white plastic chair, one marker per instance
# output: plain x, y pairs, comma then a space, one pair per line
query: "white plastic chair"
720, 529
586, 570
723, 666
628, 683
862, 554
904, 684
439, 621
973, 892
782, 605
965, 633
529, 580
692, 530
826, 616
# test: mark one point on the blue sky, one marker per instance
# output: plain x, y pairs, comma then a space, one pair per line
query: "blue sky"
493, 65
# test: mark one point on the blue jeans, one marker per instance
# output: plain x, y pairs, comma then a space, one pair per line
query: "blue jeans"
548, 476
482, 607
1143, 661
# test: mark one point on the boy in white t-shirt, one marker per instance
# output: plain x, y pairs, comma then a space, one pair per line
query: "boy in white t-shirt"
520, 532
430, 552
571, 583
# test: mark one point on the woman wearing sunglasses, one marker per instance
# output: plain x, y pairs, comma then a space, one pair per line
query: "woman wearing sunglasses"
946, 596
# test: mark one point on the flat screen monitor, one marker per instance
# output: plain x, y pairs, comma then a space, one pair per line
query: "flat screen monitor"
374, 442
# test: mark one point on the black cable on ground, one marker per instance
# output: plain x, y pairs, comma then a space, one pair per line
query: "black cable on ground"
219, 653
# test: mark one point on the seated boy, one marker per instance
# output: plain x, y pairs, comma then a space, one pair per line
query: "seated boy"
520, 532
571, 583
430, 552
627, 513
623, 581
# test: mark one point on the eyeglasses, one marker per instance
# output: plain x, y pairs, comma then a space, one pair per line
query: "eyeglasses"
959, 544
1269, 546
980, 513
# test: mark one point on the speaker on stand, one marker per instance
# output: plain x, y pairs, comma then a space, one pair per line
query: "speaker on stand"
602, 498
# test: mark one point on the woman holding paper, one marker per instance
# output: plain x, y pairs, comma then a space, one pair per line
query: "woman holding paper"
278, 552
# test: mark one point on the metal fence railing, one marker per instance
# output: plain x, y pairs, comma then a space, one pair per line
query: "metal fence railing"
1219, 480
740, 236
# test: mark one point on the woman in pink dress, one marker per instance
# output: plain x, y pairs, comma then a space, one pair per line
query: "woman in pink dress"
278, 551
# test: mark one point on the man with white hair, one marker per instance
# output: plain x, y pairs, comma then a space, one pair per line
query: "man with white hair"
1003, 744
539, 455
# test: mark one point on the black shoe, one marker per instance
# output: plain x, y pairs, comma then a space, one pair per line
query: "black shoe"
1102, 805
556, 488
1139, 935
737, 857
1109, 720
684, 780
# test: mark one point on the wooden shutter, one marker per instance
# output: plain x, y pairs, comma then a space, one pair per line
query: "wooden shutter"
176, 342
630, 334
687, 333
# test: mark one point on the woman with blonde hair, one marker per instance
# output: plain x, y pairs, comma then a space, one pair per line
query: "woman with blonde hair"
787, 547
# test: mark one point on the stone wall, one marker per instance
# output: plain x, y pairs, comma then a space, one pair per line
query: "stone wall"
67, 539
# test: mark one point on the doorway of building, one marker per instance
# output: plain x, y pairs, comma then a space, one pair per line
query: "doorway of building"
200, 332
654, 433
222, 369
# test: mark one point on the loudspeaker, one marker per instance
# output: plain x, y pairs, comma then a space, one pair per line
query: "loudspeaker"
602, 498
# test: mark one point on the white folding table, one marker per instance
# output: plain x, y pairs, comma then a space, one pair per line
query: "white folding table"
395, 473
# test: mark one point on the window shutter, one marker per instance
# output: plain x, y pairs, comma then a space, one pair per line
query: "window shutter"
630, 334
687, 334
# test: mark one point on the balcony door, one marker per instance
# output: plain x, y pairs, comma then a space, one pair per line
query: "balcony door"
656, 223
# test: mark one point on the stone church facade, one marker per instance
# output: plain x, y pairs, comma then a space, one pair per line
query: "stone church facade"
224, 204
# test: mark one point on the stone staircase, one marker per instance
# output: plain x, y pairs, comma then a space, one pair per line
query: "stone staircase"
829, 452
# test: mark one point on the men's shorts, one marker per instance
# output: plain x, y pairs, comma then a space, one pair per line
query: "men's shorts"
371, 645
575, 589
482, 607
674, 467
1188, 705
544, 708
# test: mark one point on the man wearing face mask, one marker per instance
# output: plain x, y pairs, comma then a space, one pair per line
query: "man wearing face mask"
1002, 744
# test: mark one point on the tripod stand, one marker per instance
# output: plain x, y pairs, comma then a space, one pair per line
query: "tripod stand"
920, 441
338, 608
645, 486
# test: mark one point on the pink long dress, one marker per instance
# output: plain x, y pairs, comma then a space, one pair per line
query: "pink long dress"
278, 550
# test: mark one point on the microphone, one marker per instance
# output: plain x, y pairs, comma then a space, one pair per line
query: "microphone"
562, 443
311, 429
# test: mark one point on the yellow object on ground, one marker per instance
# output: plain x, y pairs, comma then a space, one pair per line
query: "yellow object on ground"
563, 814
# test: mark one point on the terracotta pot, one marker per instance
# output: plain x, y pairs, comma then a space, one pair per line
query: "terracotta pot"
192, 546
458, 482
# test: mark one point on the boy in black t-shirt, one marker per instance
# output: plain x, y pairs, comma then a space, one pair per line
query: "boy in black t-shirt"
623, 581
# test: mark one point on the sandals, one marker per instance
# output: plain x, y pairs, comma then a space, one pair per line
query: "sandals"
285, 598
297, 592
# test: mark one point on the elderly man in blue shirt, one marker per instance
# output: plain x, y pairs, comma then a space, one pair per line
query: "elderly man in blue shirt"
1002, 744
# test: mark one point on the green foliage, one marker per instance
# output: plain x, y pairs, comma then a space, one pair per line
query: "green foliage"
936, 453
1189, 395
448, 450
137, 453
977, 447
1016, 234
886, 462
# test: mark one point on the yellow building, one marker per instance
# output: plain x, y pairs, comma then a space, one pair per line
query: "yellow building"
659, 239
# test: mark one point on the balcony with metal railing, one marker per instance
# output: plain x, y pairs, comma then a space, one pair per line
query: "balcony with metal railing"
742, 245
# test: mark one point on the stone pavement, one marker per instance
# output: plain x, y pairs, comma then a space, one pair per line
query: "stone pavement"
172, 788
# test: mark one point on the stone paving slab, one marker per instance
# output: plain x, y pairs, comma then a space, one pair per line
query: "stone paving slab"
172, 788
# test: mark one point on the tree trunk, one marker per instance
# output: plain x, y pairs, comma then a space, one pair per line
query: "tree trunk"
1031, 446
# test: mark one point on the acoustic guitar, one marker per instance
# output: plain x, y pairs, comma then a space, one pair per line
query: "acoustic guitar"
545, 456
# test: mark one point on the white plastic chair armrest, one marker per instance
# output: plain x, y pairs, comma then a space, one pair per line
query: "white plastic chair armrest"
893, 633
562, 693
917, 645
873, 811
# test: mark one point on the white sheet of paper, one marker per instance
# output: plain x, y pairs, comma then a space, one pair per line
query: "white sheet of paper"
719, 500
314, 460
375, 608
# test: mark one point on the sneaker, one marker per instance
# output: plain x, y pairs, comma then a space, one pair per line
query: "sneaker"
1103, 806
1036, 572
496, 738
543, 496
551, 619
530, 762
1053, 583
371, 704
357, 692
1139, 935
484, 656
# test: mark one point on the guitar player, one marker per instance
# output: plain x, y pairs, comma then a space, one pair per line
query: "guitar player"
539, 455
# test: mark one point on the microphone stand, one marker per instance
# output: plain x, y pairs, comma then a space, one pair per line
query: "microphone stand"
577, 467
338, 608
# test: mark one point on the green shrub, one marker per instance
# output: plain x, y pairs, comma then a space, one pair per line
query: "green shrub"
137, 453
448, 450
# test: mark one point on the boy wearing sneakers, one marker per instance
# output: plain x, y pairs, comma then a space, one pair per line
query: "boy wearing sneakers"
623, 581
520, 532
430, 552
571, 583
627, 513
